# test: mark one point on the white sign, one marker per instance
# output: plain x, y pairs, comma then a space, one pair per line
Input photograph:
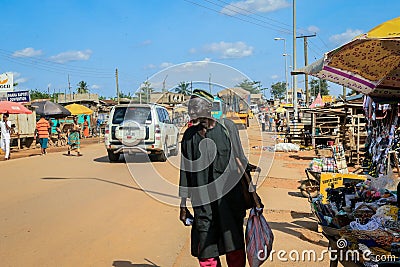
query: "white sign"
6, 82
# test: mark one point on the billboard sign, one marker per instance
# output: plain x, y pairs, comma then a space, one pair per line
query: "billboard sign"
18, 96
6, 82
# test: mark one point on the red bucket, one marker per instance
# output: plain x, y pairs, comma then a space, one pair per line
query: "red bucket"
330, 143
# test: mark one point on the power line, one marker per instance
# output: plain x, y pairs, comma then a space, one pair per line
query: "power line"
250, 12
235, 17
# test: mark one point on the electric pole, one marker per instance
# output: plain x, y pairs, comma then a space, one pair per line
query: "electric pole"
116, 81
294, 64
69, 86
306, 62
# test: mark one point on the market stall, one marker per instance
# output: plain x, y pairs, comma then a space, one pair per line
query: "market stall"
359, 214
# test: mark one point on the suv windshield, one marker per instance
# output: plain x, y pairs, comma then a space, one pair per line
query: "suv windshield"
138, 114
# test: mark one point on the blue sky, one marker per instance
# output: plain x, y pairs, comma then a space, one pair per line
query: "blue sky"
45, 41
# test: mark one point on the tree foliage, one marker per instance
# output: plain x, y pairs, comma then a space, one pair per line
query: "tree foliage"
145, 92
82, 88
250, 86
278, 90
183, 88
319, 85
36, 94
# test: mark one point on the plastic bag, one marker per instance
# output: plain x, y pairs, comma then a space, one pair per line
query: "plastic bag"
259, 239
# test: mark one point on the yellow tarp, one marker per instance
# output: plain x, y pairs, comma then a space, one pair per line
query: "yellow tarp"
77, 109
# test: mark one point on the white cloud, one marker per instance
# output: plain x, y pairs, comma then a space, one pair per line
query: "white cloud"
21, 80
192, 50
72, 56
274, 77
341, 38
150, 66
247, 6
16, 74
166, 65
95, 86
27, 52
18, 79
230, 50
313, 29
194, 64
146, 42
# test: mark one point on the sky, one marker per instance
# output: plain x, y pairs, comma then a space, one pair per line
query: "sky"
53, 45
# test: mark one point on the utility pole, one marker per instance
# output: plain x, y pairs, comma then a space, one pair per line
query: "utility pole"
286, 69
306, 62
116, 81
344, 93
294, 64
69, 86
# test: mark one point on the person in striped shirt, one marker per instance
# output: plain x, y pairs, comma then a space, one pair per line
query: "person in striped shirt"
42, 130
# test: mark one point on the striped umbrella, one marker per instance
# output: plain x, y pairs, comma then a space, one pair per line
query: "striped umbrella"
259, 239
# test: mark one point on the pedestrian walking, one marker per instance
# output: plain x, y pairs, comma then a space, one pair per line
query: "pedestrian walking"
271, 122
212, 182
5, 140
85, 127
42, 131
262, 120
74, 138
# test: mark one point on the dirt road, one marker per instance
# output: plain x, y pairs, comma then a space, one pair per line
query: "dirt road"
57, 210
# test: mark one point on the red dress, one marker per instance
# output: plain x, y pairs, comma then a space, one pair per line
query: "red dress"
86, 129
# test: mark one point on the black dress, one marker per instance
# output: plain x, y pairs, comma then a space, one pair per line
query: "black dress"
218, 222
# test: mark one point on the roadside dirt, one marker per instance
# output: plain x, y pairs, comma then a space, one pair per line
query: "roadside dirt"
35, 149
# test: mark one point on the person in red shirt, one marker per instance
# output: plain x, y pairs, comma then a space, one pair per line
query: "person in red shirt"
42, 130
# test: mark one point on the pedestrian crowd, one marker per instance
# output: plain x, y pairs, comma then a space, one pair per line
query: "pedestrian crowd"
43, 133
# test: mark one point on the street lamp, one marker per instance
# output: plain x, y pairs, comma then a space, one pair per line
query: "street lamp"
289, 84
286, 74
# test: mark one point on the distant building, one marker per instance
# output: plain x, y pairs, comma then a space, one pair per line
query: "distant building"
300, 95
168, 98
78, 98
256, 99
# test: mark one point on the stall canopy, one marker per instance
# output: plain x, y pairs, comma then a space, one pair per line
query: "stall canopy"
77, 109
318, 102
13, 108
369, 64
48, 108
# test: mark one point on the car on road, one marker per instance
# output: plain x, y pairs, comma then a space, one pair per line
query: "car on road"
254, 108
141, 128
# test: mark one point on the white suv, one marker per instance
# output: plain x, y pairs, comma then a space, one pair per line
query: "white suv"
135, 128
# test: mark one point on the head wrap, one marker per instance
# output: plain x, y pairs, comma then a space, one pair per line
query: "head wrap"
202, 94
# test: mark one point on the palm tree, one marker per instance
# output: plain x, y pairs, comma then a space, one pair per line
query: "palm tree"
183, 88
82, 88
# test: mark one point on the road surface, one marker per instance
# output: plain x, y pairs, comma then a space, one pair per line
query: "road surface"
59, 210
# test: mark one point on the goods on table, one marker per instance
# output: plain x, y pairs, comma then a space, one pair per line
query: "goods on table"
364, 215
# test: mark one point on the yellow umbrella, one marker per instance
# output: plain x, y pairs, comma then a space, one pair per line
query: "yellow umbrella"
369, 64
77, 109
280, 110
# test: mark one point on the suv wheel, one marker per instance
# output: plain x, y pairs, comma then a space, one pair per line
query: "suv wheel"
164, 154
112, 156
